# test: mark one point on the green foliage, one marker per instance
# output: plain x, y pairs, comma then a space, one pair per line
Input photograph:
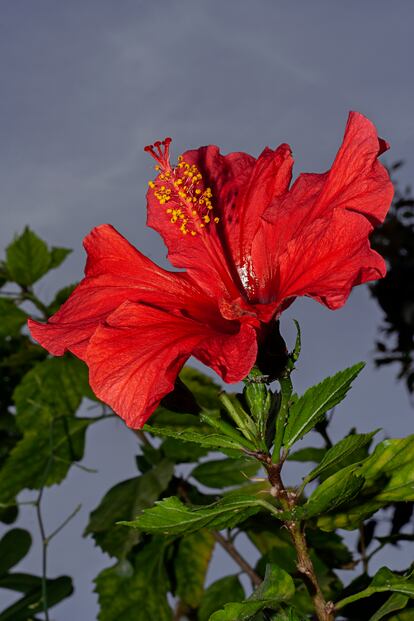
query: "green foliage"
225, 590
276, 587
384, 580
306, 411
159, 524
13, 547
12, 318
32, 603
125, 501
225, 472
172, 517
29, 258
136, 591
389, 477
191, 564
53, 438
343, 453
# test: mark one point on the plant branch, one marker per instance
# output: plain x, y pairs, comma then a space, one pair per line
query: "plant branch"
288, 499
236, 556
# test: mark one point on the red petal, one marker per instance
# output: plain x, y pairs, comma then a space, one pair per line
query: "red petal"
317, 235
242, 188
115, 272
135, 357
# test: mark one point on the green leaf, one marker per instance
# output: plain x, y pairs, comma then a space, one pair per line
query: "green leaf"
125, 501
14, 546
28, 258
135, 592
32, 603
11, 318
191, 565
242, 420
308, 410
383, 581
182, 452
172, 517
43, 457
225, 590
225, 472
397, 601
46, 401
389, 477
23, 583
54, 387
276, 587
308, 454
57, 256
207, 439
337, 490
289, 614
340, 454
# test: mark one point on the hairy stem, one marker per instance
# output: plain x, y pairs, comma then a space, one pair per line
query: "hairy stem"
241, 562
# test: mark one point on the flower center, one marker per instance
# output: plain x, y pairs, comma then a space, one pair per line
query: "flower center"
181, 191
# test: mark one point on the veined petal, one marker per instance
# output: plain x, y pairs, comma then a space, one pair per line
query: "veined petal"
352, 198
136, 355
329, 259
115, 272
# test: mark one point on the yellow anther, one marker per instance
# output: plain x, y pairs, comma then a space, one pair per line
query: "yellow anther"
198, 191
216, 220
206, 219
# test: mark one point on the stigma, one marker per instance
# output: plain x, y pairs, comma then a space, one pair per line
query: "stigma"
181, 191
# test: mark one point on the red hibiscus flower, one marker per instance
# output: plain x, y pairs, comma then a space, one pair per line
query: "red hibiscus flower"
249, 244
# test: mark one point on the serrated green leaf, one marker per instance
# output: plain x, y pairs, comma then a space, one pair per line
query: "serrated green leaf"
276, 587
308, 410
383, 581
14, 546
339, 489
172, 517
135, 592
389, 477
225, 590
12, 318
32, 603
58, 255
209, 440
125, 501
340, 454
191, 565
28, 258
225, 472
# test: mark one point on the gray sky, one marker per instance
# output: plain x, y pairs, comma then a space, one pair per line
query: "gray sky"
87, 84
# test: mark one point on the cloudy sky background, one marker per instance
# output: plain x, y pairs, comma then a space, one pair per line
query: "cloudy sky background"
86, 84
